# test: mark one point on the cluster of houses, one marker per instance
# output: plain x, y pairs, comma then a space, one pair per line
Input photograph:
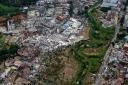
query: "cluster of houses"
49, 24
112, 12
116, 71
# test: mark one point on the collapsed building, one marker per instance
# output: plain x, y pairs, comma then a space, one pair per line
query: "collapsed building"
53, 25
48, 26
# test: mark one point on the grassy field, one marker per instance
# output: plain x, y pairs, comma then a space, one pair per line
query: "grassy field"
4, 10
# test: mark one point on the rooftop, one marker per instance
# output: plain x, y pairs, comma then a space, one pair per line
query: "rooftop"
109, 3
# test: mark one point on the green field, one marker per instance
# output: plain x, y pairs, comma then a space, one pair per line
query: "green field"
4, 10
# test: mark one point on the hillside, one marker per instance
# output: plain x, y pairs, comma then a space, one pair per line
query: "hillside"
18, 2
5, 9
12, 6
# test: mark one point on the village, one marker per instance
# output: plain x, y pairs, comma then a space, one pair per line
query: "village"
48, 26
45, 28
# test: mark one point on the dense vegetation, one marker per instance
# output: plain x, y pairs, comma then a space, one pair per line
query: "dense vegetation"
105, 9
7, 51
127, 2
4, 10
18, 2
12, 6
89, 54
71, 8
28, 2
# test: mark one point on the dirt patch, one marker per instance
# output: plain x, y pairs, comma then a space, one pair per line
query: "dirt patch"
70, 68
93, 50
85, 32
88, 80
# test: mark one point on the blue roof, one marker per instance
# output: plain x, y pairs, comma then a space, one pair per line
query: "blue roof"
67, 24
109, 3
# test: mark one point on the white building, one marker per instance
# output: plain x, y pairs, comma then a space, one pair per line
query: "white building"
110, 3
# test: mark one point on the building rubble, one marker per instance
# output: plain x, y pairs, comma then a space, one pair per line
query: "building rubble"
112, 11
116, 72
49, 25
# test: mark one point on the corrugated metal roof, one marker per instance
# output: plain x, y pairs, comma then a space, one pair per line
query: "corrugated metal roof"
109, 3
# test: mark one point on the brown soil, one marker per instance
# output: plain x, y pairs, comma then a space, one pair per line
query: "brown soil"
85, 33
69, 69
93, 51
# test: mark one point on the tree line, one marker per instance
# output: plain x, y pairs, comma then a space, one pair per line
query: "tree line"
18, 2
